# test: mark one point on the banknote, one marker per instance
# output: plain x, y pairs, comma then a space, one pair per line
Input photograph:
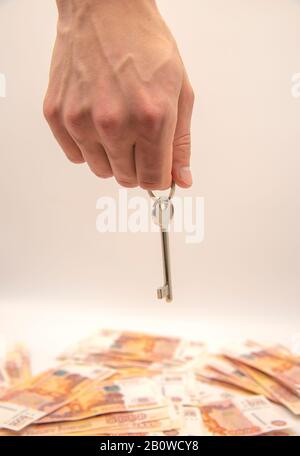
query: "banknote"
168, 419
163, 419
229, 383
283, 433
225, 386
177, 386
4, 381
277, 350
133, 371
99, 342
159, 427
192, 422
100, 425
166, 433
17, 364
127, 394
274, 389
47, 392
3, 376
224, 371
135, 347
205, 393
121, 383
149, 347
248, 416
14, 366
283, 370
231, 409
146, 427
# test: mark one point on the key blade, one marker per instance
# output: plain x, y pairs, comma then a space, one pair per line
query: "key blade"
166, 265
163, 292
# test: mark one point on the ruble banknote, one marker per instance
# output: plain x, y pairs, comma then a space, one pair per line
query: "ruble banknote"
45, 393
120, 383
273, 389
135, 349
223, 371
127, 394
248, 416
283, 370
18, 364
100, 425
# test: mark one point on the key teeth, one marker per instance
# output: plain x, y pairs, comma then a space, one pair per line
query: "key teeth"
163, 292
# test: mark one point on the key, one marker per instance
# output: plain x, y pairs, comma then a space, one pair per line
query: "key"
163, 212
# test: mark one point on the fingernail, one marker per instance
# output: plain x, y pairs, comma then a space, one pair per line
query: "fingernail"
186, 175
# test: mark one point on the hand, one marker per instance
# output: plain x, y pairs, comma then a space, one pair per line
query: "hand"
119, 97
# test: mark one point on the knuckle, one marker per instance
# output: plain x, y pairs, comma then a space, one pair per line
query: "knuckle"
73, 118
190, 95
102, 174
75, 160
154, 180
152, 117
126, 182
108, 122
182, 143
148, 185
51, 110
153, 185
74, 157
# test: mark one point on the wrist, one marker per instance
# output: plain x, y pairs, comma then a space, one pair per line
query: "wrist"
67, 9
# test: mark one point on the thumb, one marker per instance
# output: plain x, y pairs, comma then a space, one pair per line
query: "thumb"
182, 140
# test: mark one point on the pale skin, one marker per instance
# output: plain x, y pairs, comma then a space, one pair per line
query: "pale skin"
119, 97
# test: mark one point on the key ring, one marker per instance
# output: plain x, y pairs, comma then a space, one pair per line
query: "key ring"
171, 194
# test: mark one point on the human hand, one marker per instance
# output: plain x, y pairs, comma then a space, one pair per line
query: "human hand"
119, 97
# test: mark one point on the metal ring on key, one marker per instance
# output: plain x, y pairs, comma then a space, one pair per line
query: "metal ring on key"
171, 194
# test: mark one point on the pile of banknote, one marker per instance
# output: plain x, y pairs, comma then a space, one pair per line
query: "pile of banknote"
125, 383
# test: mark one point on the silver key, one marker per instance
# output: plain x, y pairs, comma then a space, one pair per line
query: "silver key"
163, 212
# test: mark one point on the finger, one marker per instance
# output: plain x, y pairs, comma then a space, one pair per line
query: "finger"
97, 160
121, 158
60, 133
153, 165
80, 127
182, 139
118, 141
153, 152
